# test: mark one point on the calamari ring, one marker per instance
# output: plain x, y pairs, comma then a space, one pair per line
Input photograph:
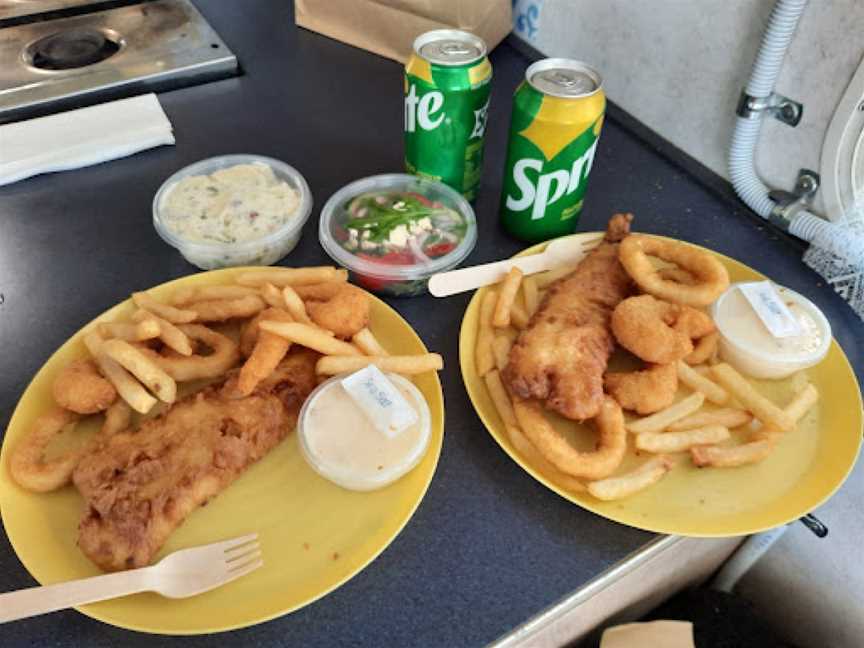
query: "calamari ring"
646, 328
710, 275
80, 387
611, 444
27, 464
182, 368
646, 391
704, 349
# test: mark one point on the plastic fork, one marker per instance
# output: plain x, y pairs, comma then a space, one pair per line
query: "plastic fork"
183, 573
568, 250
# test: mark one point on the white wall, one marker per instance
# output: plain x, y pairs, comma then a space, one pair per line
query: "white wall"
679, 66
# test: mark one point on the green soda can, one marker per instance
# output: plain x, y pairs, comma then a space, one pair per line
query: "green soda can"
554, 128
447, 84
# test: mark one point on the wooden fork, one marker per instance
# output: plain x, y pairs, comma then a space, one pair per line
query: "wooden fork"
567, 250
183, 573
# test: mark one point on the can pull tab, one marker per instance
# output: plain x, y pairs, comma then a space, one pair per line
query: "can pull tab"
455, 49
565, 80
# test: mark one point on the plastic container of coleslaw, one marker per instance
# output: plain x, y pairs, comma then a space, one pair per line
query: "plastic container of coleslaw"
394, 231
265, 249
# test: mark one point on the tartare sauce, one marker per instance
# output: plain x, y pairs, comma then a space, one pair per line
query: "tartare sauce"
742, 323
240, 203
342, 444
748, 344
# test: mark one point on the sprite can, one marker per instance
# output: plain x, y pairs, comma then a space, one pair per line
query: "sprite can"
447, 83
557, 115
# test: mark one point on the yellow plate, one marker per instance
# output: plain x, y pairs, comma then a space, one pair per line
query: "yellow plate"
315, 536
806, 468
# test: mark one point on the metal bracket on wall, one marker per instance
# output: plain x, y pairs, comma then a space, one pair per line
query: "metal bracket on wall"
788, 203
779, 107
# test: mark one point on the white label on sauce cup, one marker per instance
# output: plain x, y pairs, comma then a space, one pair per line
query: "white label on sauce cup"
384, 405
771, 308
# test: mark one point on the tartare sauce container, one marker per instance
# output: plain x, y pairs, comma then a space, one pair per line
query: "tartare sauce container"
382, 275
362, 461
267, 250
741, 332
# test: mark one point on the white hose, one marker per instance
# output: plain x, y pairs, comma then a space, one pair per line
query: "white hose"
747, 555
775, 41
742, 152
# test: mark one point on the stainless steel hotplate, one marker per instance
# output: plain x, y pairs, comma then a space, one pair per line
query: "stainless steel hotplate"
55, 63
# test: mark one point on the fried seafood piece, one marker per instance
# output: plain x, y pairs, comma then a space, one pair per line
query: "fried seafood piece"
561, 356
557, 450
346, 313
140, 485
80, 388
657, 331
646, 391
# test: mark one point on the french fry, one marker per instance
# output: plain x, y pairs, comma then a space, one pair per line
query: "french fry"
484, 358
697, 382
267, 353
648, 474
172, 336
764, 440
368, 344
729, 417
309, 336
130, 390
219, 310
295, 305
165, 311
500, 398
679, 441
501, 349
407, 365
803, 401
291, 276
543, 279
518, 316
761, 407
272, 295
320, 292
732, 456
530, 294
143, 368
507, 297
533, 457
206, 293
137, 332
665, 417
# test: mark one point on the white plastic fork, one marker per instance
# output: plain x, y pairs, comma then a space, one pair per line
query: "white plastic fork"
567, 250
183, 573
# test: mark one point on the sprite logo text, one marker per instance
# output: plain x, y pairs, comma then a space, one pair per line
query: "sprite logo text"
547, 188
425, 111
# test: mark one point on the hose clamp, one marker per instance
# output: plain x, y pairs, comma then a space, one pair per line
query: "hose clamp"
781, 108
787, 204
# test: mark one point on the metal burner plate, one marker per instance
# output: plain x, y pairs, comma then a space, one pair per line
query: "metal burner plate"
68, 62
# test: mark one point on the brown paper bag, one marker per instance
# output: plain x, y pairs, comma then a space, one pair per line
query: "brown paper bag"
389, 27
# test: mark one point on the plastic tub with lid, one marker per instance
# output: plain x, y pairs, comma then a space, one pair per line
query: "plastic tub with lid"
394, 231
246, 246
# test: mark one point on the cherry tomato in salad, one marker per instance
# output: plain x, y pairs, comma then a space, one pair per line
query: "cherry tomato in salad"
439, 250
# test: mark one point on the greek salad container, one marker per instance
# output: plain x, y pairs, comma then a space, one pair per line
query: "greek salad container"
394, 231
233, 210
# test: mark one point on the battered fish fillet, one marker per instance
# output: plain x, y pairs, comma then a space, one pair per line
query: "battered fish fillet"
562, 354
140, 485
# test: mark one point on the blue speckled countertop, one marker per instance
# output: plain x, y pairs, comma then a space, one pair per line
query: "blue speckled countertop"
488, 547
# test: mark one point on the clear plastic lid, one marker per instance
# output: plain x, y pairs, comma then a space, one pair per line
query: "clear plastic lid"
281, 170
400, 244
341, 467
721, 314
